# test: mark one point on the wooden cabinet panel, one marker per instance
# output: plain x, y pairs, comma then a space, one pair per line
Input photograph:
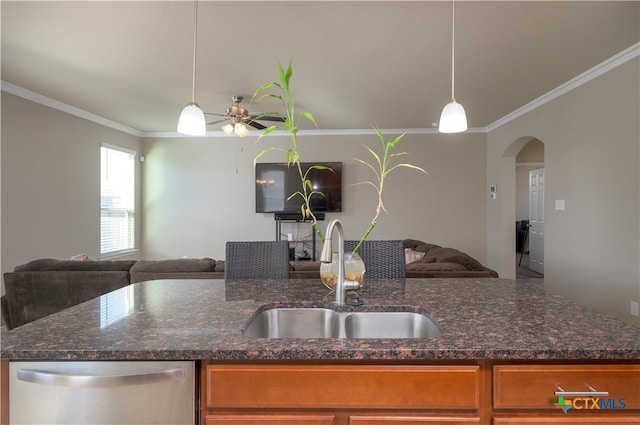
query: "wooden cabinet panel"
271, 419
342, 386
534, 386
410, 420
567, 420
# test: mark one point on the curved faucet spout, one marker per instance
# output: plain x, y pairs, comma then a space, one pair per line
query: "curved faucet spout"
326, 257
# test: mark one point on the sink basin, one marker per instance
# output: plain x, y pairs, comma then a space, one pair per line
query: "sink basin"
326, 323
294, 323
389, 324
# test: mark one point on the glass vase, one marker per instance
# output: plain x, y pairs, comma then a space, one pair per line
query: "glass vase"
353, 269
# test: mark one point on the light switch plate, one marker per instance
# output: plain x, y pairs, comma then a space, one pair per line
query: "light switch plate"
559, 204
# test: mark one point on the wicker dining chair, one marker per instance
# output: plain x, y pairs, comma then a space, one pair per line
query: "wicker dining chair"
257, 260
382, 259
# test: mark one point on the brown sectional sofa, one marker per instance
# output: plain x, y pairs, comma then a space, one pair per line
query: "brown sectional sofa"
441, 262
435, 262
45, 286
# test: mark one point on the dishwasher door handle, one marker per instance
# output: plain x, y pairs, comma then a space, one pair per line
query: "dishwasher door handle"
98, 381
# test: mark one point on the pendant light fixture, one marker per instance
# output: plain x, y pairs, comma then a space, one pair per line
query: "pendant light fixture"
192, 120
453, 118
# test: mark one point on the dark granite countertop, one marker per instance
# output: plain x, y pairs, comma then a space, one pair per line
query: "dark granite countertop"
203, 319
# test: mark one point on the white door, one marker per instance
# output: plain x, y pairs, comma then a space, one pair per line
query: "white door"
536, 220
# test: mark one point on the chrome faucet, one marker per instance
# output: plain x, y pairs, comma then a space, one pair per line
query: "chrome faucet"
342, 285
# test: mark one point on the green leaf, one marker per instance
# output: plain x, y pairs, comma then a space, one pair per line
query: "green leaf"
396, 140
310, 118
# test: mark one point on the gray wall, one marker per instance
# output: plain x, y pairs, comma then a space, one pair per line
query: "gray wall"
195, 200
591, 140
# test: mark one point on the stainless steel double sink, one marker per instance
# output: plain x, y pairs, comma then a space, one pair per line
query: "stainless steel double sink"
327, 323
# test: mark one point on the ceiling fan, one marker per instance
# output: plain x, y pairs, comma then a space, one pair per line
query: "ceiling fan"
239, 116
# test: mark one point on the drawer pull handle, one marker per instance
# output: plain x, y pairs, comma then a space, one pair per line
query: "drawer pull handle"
592, 392
89, 381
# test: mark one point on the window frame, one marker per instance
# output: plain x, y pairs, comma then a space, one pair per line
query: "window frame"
129, 210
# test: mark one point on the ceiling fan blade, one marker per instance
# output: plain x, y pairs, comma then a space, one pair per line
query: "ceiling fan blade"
215, 122
256, 125
269, 118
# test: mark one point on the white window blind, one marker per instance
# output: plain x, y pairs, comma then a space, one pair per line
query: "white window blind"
117, 200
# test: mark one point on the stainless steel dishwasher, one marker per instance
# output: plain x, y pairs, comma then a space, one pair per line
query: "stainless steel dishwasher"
113, 392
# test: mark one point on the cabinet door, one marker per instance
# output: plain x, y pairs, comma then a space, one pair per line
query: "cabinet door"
271, 419
229, 386
410, 420
582, 388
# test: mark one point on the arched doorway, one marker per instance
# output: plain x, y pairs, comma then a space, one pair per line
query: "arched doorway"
530, 210
521, 157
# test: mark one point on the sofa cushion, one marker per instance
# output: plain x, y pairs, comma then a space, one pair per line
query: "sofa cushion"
418, 246
189, 265
220, 265
303, 266
410, 255
452, 255
50, 264
425, 247
31, 295
442, 266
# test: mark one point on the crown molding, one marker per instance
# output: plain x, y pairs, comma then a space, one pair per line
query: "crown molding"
279, 133
72, 110
602, 68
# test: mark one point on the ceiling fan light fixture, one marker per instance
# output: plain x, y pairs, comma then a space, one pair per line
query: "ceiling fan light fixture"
453, 118
228, 129
192, 121
241, 130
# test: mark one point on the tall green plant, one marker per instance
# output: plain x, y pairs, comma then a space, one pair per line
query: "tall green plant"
281, 90
381, 168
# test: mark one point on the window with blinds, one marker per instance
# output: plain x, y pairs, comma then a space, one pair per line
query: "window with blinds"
117, 200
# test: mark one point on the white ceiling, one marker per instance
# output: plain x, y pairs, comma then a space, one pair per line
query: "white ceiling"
356, 64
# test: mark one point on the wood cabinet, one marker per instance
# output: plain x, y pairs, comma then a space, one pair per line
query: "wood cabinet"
409, 394
566, 394
341, 394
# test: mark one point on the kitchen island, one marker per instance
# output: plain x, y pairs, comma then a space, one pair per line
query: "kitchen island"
496, 333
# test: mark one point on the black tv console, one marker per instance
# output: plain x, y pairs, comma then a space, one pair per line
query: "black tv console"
296, 216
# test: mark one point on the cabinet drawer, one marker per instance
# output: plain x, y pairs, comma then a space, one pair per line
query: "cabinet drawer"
342, 386
535, 386
273, 419
411, 420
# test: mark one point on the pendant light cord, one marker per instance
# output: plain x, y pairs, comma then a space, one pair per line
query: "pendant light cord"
195, 42
453, 47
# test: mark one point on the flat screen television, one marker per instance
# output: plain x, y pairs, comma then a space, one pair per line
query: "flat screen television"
276, 181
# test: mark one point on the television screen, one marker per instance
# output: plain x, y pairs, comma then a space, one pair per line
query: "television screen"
275, 182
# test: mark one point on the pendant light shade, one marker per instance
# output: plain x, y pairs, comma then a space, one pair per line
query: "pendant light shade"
453, 119
192, 120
